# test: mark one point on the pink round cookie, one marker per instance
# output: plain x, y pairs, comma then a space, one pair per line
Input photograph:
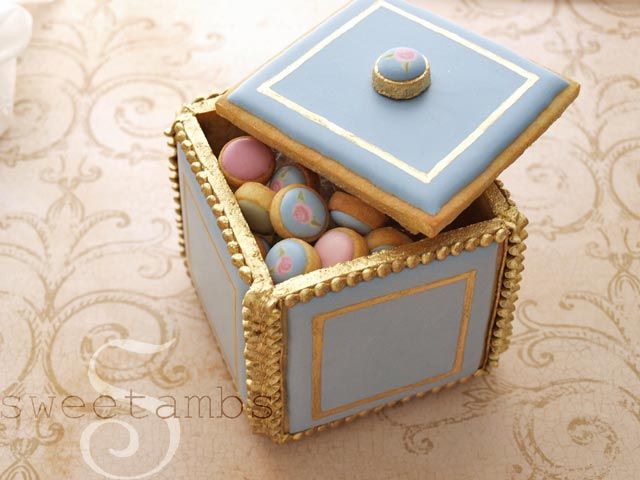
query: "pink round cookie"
245, 159
340, 245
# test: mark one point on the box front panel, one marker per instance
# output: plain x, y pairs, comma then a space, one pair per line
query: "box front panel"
389, 338
216, 280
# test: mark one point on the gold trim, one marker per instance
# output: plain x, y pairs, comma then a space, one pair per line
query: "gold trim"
319, 321
501, 327
234, 319
426, 177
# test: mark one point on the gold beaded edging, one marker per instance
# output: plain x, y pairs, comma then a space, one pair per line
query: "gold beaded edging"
178, 136
502, 328
382, 264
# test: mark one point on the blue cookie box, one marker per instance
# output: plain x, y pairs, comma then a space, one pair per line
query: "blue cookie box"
327, 347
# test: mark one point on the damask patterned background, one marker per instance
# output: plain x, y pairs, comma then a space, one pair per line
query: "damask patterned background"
88, 253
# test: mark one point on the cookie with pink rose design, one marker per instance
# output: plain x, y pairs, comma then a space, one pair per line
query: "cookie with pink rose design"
299, 211
290, 174
246, 159
291, 257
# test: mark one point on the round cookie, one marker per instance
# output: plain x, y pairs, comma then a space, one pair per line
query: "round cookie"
351, 212
340, 245
255, 201
291, 257
245, 159
290, 174
263, 245
384, 238
299, 211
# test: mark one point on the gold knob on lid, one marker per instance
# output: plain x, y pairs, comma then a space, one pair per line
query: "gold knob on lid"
401, 73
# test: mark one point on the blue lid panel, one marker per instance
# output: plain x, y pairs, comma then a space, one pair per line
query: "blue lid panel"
424, 150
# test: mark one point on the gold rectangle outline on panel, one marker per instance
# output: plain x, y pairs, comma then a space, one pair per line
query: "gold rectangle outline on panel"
235, 371
318, 341
425, 177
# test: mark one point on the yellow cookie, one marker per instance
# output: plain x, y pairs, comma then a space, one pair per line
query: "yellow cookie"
384, 238
255, 201
351, 212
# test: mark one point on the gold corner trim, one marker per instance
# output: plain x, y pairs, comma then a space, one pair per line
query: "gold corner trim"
266, 88
501, 328
261, 314
319, 321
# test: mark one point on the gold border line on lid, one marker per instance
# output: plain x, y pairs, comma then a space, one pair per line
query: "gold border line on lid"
425, 177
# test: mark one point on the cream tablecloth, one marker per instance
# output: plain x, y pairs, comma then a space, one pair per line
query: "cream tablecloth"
88, 253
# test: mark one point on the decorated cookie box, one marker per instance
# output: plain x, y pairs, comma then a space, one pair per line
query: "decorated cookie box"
410, 119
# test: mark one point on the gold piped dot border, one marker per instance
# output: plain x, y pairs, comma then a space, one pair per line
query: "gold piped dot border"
396, 265
177, 136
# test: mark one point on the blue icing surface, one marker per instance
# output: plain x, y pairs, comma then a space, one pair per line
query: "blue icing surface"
286, 259
348, 221
303, 212
466, 88
285, 176
401, 64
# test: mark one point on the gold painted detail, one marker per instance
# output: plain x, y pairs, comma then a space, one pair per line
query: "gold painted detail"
393, 403
318, 342
426, 177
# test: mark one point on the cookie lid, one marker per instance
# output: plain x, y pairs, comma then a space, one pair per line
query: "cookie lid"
412, 113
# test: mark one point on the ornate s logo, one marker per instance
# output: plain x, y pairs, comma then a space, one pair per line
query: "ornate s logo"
150, 404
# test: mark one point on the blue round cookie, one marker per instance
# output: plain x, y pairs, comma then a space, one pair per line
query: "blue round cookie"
401, 64
291, 257
346, 220
292, 174
299, 211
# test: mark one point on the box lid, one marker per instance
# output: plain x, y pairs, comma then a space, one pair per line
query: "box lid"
421, 160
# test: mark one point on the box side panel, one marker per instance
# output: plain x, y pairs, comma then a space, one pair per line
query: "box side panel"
216, 280
389, 338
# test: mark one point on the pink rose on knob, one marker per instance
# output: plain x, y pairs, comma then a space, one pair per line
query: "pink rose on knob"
406, 54
285, 264
302, 213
